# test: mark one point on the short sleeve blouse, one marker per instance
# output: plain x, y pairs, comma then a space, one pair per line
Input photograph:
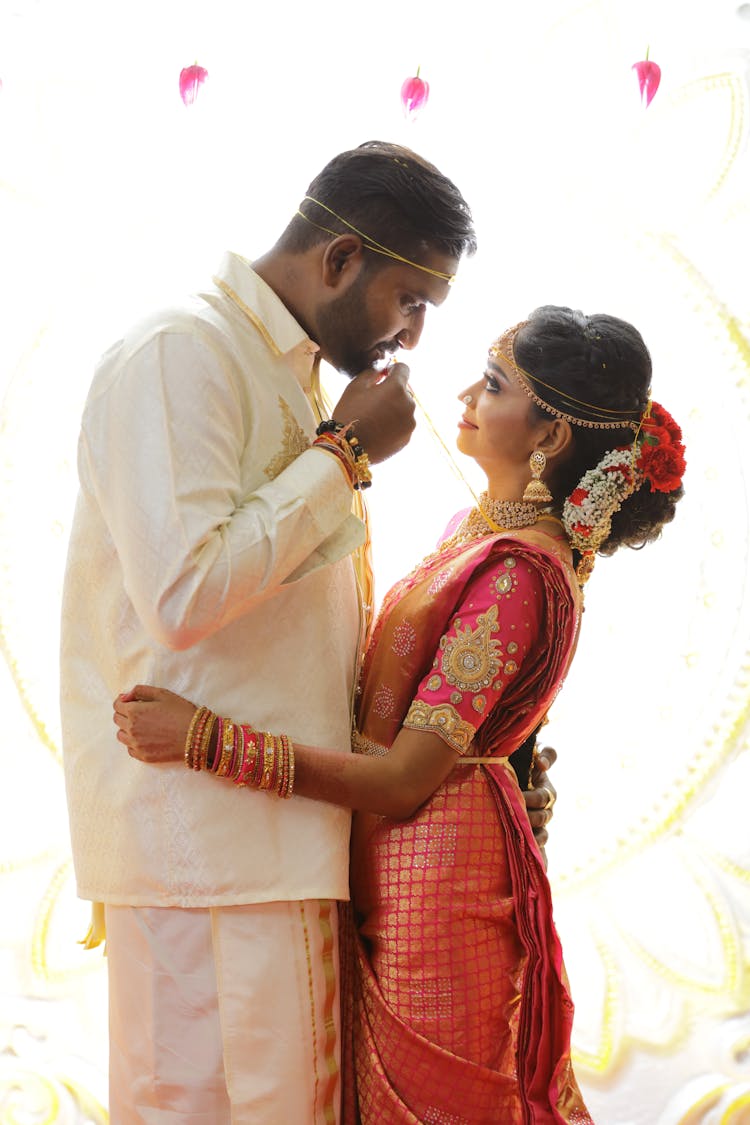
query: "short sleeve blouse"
482, 651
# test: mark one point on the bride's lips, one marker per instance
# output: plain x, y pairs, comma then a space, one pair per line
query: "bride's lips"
465, 424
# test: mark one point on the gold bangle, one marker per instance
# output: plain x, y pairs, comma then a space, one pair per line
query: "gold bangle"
205, 741
198, 717
227, 746
286, 791
269, 758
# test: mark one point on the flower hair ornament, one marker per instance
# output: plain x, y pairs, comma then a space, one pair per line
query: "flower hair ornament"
656, 457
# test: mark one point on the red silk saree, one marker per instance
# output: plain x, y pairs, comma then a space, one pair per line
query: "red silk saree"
459, 1012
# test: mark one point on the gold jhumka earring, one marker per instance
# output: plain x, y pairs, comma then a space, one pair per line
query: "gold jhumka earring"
536, 490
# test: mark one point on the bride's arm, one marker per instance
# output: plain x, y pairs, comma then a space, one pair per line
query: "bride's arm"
153, 723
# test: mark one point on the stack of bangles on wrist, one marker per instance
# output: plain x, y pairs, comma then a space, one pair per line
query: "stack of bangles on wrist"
240, 753
342, 442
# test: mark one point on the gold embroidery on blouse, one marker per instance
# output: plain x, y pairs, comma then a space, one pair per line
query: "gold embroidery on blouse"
471, 659
444, 720
504, 584
293, 442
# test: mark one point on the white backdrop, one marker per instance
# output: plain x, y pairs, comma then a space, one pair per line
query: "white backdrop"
113, 195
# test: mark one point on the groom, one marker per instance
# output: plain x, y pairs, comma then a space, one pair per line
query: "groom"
212, 552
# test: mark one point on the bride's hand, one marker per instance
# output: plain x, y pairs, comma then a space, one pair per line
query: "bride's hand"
153, 723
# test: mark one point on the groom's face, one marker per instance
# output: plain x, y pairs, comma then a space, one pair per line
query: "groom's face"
382, 310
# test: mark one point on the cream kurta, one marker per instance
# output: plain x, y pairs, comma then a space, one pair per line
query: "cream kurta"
209, 554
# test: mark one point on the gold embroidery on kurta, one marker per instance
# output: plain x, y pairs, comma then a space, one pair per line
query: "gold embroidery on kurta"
471, 659
294, 441
444, 720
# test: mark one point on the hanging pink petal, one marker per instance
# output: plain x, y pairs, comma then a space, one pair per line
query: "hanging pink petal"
414, 94
649, 77
191, 80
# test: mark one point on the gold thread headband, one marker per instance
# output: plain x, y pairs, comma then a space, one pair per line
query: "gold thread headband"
370, 243
503, 347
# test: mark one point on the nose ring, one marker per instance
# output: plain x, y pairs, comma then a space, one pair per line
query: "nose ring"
467, 399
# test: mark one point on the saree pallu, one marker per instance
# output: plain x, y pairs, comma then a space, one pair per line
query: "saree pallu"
460, 1011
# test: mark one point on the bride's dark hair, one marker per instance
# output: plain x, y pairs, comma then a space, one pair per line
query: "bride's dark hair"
603, 361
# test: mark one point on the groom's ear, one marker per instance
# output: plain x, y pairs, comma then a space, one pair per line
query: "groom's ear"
342, 261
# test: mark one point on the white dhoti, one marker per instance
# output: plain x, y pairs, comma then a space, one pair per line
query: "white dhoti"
224, 1015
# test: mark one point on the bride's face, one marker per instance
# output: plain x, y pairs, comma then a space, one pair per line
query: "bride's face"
498, 428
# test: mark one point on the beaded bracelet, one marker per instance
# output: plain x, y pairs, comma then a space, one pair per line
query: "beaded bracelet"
341, 439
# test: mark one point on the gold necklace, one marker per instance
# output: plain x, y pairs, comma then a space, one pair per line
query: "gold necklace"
506, 515
485, 519
477, 525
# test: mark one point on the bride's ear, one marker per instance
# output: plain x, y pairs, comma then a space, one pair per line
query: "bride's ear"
557, 441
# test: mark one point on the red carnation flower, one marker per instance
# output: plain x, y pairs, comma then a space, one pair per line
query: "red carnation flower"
578, 495
664, 419
663, 466
651, 434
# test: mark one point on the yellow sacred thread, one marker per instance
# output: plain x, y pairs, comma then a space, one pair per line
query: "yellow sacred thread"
444, 448
371, 243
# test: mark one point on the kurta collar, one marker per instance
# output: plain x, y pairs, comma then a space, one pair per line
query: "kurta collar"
257, 301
